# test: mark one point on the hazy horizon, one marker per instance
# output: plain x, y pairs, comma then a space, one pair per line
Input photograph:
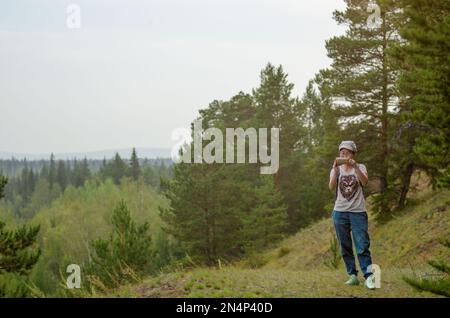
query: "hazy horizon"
137, 70
142, 152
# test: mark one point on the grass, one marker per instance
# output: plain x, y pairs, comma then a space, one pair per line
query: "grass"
252, 283
299, 265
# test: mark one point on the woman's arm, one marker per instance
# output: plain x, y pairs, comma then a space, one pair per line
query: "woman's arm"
361, 175
332, 183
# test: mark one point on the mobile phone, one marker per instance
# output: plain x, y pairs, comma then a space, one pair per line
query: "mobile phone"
341, 161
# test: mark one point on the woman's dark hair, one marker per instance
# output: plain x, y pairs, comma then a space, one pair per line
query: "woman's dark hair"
353, 153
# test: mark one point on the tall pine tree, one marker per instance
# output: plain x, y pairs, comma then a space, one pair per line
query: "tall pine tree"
210, 201
361, 81
424, 82
276, 107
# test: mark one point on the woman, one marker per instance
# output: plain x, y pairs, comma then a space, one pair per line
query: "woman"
349, 213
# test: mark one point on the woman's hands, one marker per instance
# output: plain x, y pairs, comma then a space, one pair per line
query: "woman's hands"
352, 162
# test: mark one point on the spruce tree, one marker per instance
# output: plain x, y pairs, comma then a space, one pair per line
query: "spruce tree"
52, 171
17, 255
135, 169
126, 254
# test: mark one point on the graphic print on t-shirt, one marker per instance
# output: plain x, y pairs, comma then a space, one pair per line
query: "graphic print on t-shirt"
348, 186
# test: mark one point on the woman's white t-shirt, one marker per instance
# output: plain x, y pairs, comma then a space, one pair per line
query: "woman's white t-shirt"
350, 196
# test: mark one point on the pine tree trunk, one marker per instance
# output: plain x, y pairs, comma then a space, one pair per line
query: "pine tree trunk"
384, 127
406, 180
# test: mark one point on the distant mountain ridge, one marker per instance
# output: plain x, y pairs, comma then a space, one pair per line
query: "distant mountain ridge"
150, 153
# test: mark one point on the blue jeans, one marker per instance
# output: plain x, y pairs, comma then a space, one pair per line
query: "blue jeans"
348, 224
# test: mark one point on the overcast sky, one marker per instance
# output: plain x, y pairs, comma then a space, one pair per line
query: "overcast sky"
136, 70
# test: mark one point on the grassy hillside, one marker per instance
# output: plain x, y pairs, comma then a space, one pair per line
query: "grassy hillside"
300, 265
411, 239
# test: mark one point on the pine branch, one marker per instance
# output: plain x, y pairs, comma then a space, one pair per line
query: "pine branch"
440, 266
439, 287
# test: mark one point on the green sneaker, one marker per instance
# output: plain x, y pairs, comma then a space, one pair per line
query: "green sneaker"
352, 281
370, 282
